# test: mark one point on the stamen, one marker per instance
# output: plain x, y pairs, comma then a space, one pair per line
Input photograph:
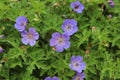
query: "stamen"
30, 36
68, 27
76, 64
60, 40
77, 78
23, 24
76, 6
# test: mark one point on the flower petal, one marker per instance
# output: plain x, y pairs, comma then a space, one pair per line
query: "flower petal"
24, 33
52, 42
71, 66
72, 58
21, 19
79, 76
73, 22
32, 30
56, 35
75, 29
80, 58
55, 78
65, 36
59, 48
20, 28
83, 65
36, 35
32, 42
73, 4
67, 44
25, 40
47, 78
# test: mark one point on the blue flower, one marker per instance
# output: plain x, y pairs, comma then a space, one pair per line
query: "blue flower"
60, 41
77, 64
69, 26
21, 23
77, 6
111, 3
54, 78
30, 37
79, 76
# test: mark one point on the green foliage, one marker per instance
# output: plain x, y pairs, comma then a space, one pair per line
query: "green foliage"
97, 40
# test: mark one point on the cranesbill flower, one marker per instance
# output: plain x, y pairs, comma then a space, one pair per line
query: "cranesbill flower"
54, 78
111, 3
48, 78
60, 41
1, 49
30, 37
79, 76
77, 64
77, 6
21, 23
69, 26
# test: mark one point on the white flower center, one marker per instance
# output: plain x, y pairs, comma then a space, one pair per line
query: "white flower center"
60, 40
68, 27
30, 36
23, 24
76, 64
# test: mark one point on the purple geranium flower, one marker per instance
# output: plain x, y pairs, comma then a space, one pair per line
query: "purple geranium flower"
1, 49
79, 76
60, 41
111, 3
21, 23
77, 6
54, 78
69, 26
30, 37
77, 64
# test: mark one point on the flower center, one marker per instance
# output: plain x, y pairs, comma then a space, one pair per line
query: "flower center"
68, 27
77, 78
60, 40
76, 6
76, 64
23, 24
30, 36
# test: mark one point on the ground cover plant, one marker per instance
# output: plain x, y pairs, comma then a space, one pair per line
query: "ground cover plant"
59, 40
